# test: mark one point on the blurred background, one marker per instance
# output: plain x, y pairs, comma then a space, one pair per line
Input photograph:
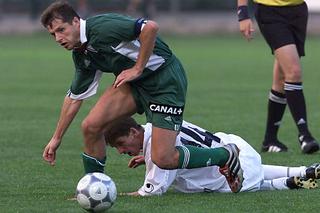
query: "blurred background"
229, 82
174, 16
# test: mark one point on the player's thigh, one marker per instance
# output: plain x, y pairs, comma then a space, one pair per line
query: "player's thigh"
163, 143
289, 60
114, 103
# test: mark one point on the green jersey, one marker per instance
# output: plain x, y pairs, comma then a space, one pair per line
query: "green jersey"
110, 44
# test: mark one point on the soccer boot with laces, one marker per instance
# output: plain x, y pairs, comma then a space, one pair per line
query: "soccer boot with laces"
308, 144
313, 171
274, 146
232, 169
301, 183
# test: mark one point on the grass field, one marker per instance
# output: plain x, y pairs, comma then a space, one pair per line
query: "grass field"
229, 81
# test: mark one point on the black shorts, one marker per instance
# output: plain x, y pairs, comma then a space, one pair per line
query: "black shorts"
283, 25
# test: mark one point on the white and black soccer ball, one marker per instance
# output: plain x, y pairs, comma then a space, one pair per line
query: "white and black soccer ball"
96, 192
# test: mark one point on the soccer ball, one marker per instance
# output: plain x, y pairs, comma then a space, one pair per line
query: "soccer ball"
96, 192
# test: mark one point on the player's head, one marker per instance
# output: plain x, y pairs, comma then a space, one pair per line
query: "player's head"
63, 23
126, 135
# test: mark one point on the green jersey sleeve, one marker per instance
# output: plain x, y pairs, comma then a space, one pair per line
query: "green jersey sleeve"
85, 82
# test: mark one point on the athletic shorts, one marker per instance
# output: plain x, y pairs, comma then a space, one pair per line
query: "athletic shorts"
162, 96
283, 25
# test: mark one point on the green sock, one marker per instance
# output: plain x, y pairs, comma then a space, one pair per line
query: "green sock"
92, 164
195, 157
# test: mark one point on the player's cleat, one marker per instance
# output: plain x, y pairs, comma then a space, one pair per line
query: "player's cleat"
232, 169
275, 146
308, 144
301, 183
313, 171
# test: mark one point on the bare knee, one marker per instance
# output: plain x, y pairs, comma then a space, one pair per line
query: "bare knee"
166, 161
89, 127
293, 74
163, 151
94, 144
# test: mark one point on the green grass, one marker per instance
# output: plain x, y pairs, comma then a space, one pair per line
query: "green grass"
229, 80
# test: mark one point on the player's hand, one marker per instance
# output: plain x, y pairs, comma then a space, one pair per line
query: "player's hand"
246, 28
136, 161
126, 76
129, 194
49, 153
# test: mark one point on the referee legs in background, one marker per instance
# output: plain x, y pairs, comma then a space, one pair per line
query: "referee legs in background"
284, 29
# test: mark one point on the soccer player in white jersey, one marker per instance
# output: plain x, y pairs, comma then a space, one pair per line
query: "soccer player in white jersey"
130, 138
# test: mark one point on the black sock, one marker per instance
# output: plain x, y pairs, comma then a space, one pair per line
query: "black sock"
297, 106
276, 107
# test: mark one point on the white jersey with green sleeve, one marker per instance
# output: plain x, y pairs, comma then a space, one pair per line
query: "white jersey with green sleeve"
209, 179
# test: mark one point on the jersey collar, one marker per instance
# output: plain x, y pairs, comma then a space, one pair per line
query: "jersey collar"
83, 37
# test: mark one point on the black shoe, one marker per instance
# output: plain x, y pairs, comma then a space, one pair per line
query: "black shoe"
301, 183
313, 171
308, 144
275, 146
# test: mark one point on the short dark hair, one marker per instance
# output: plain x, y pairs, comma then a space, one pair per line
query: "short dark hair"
58, 10
118, 128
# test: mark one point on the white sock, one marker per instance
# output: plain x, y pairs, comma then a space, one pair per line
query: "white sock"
273, 172
275, 184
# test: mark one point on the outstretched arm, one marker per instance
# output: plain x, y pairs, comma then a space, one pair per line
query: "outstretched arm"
136, 161
69, 110
245, 23
147, 40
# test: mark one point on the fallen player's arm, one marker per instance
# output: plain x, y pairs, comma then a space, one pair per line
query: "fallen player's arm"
129, 194
136, 161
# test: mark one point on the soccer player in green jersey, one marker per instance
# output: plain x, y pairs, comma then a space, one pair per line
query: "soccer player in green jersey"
149, 79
